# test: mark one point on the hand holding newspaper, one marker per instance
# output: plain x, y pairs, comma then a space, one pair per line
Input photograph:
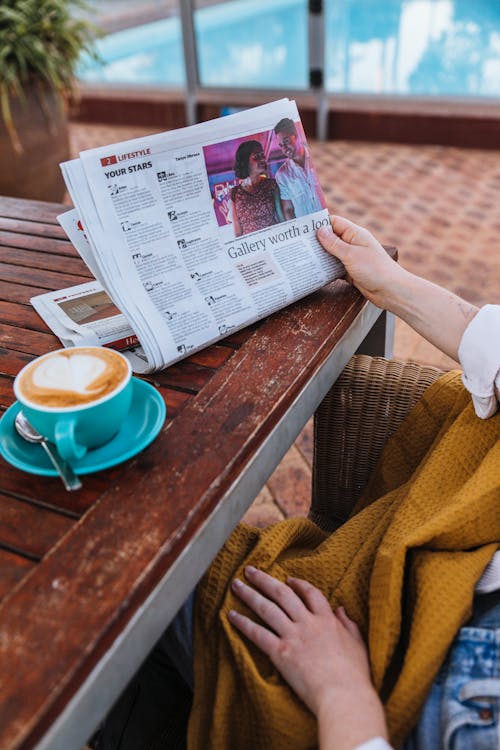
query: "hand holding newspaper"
192, 234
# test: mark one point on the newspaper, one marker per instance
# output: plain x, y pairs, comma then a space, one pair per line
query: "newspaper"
192, 234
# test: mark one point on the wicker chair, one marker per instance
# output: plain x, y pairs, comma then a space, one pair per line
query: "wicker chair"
351, 426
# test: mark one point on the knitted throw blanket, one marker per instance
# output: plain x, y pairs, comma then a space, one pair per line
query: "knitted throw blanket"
404, 566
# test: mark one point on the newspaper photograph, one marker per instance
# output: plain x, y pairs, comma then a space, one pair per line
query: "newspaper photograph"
198, 232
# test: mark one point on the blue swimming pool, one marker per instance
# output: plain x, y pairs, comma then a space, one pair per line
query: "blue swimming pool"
408, 47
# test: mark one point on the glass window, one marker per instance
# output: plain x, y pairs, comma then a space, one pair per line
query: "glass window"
253, 43
143, 45
415, 47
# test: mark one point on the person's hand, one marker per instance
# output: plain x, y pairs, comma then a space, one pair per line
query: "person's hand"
320, 653
368, 265
435, 313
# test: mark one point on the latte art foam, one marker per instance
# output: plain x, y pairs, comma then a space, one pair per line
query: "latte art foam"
72, 377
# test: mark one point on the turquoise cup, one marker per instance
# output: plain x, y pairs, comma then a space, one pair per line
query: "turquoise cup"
76, 429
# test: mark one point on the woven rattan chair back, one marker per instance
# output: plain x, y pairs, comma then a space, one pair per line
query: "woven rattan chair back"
364, 407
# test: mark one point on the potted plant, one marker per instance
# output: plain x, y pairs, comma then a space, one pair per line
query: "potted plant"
40, 45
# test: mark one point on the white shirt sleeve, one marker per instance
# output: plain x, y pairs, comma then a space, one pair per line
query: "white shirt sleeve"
377, 743
490, 580
479, 355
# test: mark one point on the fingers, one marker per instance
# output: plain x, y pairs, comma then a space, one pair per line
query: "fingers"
349, 624
277, 591
338, 239
348, 231
310, 595
277, 603
332, 243
265, 608
257, 634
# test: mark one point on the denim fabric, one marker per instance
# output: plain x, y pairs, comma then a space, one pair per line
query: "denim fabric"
462, 709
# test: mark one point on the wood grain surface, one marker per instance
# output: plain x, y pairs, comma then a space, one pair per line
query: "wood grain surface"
74, 567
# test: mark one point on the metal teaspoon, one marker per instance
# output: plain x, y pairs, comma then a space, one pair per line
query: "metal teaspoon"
28, 432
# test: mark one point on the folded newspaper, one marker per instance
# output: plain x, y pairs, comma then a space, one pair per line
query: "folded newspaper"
191, 235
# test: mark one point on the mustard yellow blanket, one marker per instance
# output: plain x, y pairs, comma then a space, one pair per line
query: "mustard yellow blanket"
404, 566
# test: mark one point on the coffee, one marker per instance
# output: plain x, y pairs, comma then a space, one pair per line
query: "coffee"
72, 377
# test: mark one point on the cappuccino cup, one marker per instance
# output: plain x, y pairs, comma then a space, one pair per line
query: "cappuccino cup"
77, 398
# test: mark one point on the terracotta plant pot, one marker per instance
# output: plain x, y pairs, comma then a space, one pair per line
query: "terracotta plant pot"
43, 132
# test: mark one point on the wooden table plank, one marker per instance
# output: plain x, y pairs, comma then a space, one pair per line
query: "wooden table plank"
237, 339
212, 356
48, 280
22, 316
20, 293
44, 245
39, 211
33, 228
48, 492
46, 260
174, 400
31, 342
30, 530
14, 568
184, 375
6, 393
11, 362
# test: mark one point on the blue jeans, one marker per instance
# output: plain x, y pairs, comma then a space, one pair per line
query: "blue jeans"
462, 709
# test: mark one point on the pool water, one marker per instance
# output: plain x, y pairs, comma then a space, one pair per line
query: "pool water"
408, 47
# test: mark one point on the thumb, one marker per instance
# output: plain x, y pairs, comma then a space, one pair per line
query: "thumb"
332, 243
350, 232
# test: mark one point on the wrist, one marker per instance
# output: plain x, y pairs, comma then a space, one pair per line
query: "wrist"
393, 296
435, 313
338, 715
335, 697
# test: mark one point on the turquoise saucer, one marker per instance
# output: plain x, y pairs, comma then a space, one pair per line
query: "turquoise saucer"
143, 423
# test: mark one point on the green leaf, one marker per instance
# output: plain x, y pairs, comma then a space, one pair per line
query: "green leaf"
41, 39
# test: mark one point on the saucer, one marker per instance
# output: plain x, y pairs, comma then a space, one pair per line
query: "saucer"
142, 424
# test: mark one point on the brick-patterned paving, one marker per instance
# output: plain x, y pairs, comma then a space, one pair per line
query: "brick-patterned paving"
438, 205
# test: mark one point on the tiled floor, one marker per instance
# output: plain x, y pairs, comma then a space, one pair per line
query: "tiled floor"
437, 205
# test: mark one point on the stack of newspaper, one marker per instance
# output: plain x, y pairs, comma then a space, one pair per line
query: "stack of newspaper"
191, 234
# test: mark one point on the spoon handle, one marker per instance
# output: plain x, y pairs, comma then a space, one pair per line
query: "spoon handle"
68, 476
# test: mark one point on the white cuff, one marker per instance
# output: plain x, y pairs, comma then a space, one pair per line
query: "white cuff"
377, 743
490, 580
479, 355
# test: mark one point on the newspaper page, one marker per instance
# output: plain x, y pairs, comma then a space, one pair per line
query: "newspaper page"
72, 225
198, 232
84, 315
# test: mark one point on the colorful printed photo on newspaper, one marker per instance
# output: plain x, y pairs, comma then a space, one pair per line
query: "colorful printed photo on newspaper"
263, 179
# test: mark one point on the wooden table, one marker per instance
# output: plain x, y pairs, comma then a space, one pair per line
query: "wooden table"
89, 580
